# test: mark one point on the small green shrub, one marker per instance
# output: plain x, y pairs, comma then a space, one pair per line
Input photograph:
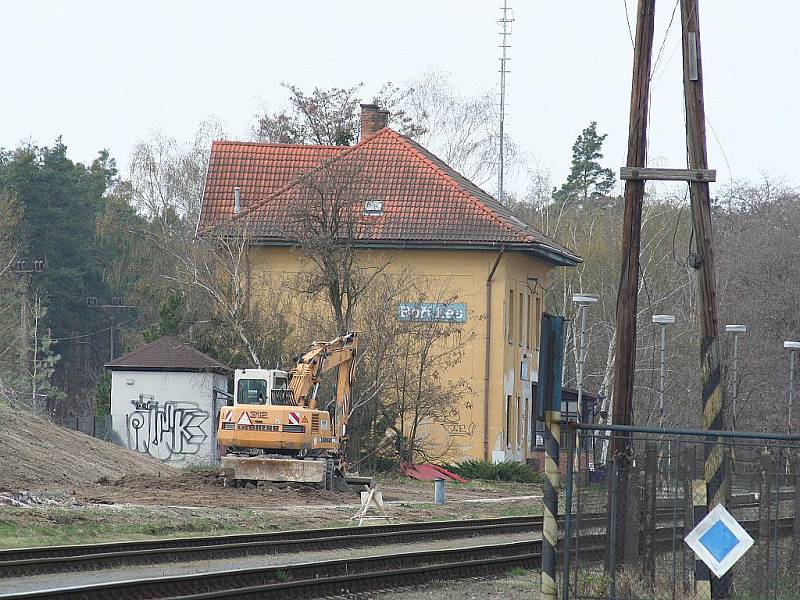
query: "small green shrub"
490, 471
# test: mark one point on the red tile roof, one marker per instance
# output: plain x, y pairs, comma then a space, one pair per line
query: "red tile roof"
424, 201
258, 169
167, 354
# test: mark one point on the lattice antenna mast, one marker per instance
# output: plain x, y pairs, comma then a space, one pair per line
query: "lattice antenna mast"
505, 22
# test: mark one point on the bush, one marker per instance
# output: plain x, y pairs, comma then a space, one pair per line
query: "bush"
490, 471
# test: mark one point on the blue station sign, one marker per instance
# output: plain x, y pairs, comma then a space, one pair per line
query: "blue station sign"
432, 312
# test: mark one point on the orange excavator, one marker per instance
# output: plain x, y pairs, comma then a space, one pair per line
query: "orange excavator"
279, 430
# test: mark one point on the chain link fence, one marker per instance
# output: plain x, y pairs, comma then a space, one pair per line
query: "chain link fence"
624, 535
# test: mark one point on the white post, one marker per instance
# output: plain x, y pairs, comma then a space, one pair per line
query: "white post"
662, 321
735, 330
662, 376
735, 377
792, 347
791, 387
583, 301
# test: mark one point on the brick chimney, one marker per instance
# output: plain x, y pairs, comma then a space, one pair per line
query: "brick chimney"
372, 119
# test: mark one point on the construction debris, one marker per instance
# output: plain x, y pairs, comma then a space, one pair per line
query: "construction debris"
429, 472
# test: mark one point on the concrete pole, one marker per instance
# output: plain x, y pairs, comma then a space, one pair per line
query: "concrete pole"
579, 409
791, 387
661, 381
735, 378
663, 376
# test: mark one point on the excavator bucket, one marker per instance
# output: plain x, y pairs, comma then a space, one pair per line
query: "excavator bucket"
257, 468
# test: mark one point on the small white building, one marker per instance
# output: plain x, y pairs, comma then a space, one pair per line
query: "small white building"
165, 398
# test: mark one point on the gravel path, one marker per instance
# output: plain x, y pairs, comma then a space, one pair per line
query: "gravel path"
510, 587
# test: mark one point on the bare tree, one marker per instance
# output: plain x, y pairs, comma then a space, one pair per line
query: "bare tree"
33, 388
421, 391
461, 130
168, 176
215, 269
325, 116
326, 221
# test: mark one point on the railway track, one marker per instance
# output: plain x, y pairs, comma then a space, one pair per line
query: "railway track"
55, 559
337, 577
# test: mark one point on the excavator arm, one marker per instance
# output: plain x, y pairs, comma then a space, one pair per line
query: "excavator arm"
318, 359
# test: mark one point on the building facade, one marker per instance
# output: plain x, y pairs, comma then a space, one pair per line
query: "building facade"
165, 397
484, 269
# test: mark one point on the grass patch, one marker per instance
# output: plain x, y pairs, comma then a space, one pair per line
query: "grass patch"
529, 510
490, 471
30, 527
518, 571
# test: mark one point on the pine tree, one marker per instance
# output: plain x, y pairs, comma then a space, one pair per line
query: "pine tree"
587, 180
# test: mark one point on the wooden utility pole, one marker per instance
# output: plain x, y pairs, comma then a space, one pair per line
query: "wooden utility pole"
24, 329
702, 260
627, 295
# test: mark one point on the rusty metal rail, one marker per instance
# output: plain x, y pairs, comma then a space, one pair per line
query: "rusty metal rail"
54, 559
32, 561
337, 577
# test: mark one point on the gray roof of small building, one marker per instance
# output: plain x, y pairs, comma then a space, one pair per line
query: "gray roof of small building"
167, 354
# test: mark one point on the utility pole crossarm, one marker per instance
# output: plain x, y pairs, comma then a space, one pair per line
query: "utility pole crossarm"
653, 174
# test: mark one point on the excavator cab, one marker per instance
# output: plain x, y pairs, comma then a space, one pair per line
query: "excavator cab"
262, 387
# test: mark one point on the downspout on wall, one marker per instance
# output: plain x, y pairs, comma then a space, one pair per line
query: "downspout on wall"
488, 353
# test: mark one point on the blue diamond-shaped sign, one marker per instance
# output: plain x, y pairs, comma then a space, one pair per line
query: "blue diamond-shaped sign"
719, 541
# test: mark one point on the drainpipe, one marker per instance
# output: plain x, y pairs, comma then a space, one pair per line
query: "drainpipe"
488, 353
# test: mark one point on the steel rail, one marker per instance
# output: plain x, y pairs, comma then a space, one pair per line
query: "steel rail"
55, 559
336, 577
253, 581
237, 538
98, 556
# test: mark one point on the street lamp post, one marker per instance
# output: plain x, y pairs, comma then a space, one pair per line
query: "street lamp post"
662, 321
792, 347
583, 301
735, 330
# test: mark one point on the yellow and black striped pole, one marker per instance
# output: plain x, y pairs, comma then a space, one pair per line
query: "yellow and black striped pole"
715, 470
551, 363
713, 420
552, 440
702, 583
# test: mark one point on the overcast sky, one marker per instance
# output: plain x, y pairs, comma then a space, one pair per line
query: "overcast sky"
106, 74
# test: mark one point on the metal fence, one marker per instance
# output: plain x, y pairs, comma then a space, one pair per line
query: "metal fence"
624, 535
101, 427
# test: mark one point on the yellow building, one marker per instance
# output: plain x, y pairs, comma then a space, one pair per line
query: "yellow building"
413, 215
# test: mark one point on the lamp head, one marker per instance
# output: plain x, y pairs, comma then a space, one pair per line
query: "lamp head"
790, 345
735, 328
584, 299
663, 319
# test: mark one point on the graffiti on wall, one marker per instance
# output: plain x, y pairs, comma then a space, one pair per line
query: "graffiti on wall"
168, 430
450, 420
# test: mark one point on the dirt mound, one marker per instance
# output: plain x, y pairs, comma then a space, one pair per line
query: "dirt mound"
38, 454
